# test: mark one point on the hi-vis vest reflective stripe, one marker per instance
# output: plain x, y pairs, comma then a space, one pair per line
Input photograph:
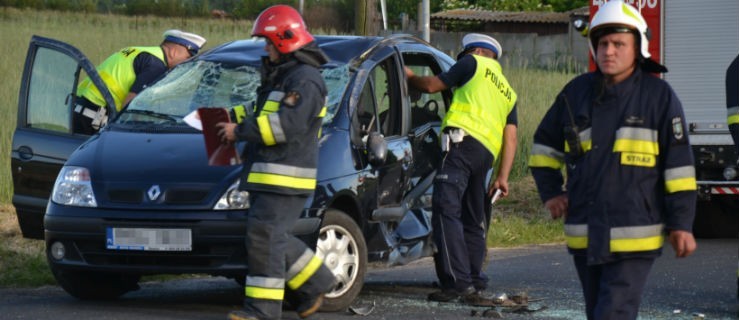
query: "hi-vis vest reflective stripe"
733, 115
481, 106
118, 75
623, 239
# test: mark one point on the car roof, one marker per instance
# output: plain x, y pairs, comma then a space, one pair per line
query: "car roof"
339, 49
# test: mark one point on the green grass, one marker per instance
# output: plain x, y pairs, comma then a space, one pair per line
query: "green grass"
518, 219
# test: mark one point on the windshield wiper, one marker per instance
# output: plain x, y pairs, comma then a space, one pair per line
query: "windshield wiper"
154, 114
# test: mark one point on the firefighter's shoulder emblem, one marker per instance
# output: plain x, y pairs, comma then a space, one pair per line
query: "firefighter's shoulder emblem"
677, 128
291, 98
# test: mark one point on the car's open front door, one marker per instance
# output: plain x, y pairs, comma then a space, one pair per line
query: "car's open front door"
43, 137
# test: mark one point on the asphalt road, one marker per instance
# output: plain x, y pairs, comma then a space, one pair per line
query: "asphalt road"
703, 284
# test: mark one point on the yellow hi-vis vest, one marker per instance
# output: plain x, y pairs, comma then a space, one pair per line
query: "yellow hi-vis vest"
481, 106
118, 75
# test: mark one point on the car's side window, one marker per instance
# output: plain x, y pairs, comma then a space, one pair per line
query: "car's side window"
425, 107
366, 114
51, 91
387, 95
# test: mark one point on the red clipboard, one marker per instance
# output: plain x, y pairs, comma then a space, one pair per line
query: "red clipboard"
219, 154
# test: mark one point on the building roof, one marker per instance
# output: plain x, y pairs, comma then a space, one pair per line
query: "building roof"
504, 16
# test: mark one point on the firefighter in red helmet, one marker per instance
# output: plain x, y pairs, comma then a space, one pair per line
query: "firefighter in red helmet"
280, 170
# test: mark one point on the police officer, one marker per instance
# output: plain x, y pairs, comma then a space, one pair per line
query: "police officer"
280, 169
620, 133
126, 73
480, 122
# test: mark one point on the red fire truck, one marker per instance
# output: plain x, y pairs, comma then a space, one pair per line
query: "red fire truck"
697, 41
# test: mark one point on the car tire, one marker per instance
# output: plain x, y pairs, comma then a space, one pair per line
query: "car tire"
87, 285
342, 247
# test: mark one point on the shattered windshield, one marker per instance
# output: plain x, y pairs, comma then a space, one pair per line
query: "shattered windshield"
213, 84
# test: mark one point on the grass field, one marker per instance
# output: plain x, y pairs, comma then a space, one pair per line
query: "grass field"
518, 219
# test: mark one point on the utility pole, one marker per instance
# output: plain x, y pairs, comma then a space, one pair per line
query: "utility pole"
424, 17
364, 11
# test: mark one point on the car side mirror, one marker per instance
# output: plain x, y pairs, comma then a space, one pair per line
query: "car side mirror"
376, 149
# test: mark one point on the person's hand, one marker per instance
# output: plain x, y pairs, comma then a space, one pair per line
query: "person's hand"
226, 132
408, 72
557, 206
501, 184
683, 242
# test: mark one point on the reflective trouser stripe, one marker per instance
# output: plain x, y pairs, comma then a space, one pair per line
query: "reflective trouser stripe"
265, 288
305, 273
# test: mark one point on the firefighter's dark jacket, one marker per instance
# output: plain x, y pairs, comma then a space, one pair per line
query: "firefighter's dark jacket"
633, 178
281, 155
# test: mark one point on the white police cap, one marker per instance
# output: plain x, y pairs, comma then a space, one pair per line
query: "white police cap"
477, 40
191, 41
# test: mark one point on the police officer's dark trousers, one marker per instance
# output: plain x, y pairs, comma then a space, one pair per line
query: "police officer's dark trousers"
613, 290
277, 260
459, 216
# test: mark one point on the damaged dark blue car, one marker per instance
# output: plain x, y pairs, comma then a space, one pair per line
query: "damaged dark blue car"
146, 172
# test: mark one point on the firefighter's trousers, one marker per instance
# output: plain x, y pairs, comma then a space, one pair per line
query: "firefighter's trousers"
613, 290
278, 262
459, 217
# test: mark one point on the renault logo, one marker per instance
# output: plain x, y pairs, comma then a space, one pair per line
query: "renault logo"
154, 192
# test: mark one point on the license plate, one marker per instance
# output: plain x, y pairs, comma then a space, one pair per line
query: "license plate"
148, 239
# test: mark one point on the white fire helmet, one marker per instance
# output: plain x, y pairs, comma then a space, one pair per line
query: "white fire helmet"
616, 13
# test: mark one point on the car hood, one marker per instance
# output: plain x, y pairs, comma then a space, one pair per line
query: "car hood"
152, 169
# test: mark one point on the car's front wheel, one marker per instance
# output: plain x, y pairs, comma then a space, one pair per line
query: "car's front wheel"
342, 247
87, 285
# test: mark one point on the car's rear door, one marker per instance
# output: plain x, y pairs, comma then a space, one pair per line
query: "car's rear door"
43, 137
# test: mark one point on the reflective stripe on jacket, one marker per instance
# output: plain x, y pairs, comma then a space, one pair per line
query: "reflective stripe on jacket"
634, 177
282, 153
481, 106
118, 74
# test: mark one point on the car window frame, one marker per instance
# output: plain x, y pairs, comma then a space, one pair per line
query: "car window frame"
83, 64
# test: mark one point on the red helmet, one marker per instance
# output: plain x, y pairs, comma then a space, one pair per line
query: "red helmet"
284, 27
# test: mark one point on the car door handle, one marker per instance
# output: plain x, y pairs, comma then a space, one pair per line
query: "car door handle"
25, 153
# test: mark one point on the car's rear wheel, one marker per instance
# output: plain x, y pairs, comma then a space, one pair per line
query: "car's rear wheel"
87, 285
342, 247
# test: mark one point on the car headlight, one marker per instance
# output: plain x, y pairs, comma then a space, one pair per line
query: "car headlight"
233, 199
73, 188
